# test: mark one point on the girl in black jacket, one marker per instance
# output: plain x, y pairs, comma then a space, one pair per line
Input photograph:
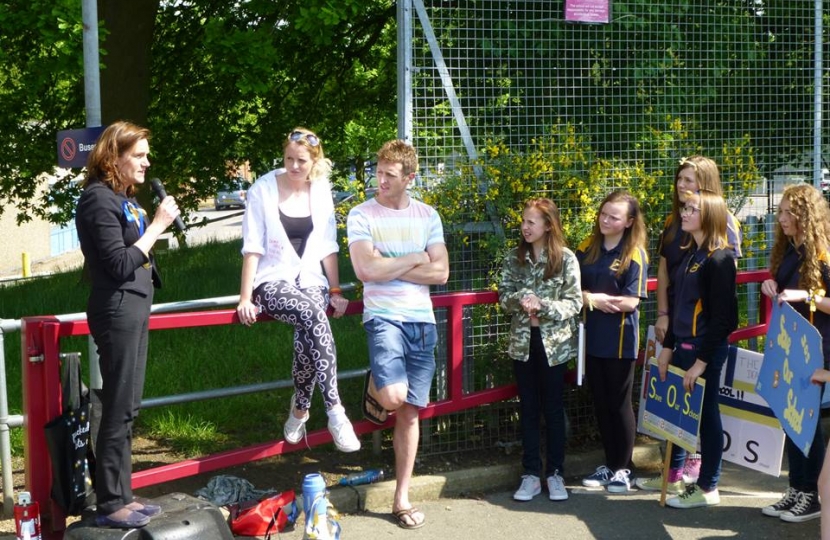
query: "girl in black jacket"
705, 313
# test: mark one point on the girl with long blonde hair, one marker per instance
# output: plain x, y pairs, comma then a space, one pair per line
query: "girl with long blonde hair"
614, 268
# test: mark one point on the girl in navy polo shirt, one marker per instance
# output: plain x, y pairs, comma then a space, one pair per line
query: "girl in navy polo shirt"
614, 268
693, 174
801, 276
705, 313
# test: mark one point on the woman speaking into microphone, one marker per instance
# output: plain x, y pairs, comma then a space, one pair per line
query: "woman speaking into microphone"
116, 239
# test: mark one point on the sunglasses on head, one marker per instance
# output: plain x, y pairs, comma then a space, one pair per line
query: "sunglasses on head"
310, 138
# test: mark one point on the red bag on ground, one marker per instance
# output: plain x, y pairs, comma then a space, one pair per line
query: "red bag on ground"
261, 518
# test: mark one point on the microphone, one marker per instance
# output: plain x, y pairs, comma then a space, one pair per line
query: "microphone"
158, 189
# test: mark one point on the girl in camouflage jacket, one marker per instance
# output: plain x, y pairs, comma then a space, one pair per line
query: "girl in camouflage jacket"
540, 290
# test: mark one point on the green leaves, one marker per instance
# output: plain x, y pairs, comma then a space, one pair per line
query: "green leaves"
226, 82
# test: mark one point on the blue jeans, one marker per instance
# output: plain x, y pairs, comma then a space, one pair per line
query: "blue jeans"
711, 428
541, 392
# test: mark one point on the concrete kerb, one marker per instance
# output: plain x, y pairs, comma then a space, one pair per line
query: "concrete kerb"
378, 497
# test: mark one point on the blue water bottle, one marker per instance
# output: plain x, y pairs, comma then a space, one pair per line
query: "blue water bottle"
314, 490
369, 476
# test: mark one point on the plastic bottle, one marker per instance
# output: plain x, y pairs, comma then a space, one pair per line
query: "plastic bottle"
26, 517
369, 476
314, 487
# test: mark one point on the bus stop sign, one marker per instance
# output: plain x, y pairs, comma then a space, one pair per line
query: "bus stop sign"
74, 145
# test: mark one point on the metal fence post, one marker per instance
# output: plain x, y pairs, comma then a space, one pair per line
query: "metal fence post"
752, 299
5, 441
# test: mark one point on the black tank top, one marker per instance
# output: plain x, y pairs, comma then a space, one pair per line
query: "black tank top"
297, 229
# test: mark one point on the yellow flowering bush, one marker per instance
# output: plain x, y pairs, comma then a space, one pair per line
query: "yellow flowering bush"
481, 202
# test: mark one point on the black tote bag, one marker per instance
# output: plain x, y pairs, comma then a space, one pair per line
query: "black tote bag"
67, 438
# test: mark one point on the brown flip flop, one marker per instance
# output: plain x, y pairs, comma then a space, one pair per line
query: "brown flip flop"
401, 515
372, 409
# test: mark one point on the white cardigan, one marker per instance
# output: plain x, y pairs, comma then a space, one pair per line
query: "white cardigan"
263, 233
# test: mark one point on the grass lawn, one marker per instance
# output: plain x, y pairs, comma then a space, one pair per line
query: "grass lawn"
196, 359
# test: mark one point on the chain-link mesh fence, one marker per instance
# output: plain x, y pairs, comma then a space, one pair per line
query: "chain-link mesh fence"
509, 100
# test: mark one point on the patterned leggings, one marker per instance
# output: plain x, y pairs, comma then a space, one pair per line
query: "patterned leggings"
315, 356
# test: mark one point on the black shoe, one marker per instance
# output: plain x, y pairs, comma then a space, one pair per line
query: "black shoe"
134, 520
806, 508
786, 503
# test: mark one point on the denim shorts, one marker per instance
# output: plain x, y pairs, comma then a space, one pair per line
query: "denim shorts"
403, 352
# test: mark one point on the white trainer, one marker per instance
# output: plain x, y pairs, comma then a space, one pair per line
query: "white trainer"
342, 431
531, 486
556, 487
294, 429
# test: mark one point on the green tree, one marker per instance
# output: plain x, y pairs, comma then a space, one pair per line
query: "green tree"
41, 92
218, 83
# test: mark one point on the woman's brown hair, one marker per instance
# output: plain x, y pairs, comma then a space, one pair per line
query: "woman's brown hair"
102, 163
634, 236
810, 210
707, 175
554, 238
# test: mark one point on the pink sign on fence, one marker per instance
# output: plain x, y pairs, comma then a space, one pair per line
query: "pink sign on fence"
588, 11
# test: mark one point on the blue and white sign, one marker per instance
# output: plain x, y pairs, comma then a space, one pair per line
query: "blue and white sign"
74, 146
670, 410
793, 352
752, 435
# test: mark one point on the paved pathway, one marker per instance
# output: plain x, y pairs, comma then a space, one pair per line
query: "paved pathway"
590, 514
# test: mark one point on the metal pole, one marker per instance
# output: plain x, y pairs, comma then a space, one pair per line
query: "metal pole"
817, 91
92, 70
5, 441
405, 70
753, 227
92, 100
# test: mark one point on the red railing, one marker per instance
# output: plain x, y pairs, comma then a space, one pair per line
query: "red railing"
42, 401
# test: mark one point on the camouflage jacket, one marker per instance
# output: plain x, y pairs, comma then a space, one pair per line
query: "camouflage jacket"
561, 298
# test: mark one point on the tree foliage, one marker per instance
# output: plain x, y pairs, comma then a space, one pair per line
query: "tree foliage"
221, 83
218, 84
41, 92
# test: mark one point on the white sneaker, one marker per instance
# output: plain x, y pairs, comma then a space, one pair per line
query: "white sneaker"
342, 431
294, 429
556, 488
621, 482
531, 486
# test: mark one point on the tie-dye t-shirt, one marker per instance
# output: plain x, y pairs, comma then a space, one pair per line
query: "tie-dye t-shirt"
395, 233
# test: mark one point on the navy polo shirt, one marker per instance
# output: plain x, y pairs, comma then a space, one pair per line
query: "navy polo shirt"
788, 276
674, 253
613, 335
